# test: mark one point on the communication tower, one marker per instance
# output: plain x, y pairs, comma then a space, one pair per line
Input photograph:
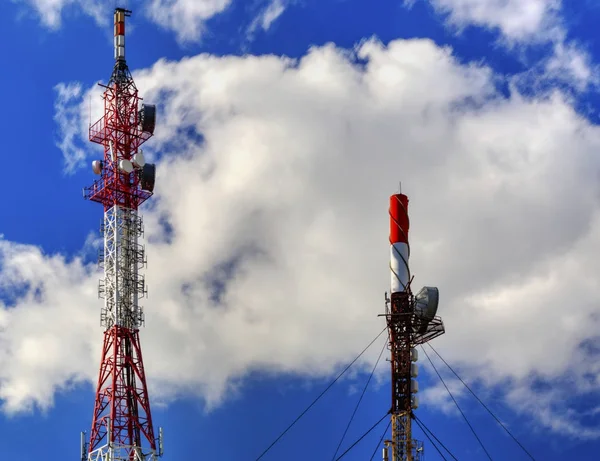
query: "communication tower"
122, 428
411, 321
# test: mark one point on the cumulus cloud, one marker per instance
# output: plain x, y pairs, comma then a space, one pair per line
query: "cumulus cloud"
267, 239
526, 22
44, 299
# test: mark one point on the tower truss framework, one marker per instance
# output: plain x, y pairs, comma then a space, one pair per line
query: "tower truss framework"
411, 321
122, 427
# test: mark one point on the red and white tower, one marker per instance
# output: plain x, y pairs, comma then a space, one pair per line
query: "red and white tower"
411, 321
122, 426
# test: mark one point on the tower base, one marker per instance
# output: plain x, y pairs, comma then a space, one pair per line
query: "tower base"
120, 453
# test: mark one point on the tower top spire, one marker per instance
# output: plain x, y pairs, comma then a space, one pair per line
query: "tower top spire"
120, 15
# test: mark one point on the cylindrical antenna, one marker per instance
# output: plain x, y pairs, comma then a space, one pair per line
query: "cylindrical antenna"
113, 154
160, 441
83, 447
108, 431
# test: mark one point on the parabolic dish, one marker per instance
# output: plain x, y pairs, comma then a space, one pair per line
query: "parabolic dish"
426, 303
125, 166
97, 167
139, 160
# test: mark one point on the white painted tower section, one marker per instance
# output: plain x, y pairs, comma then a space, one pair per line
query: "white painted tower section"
400, 274
123, 285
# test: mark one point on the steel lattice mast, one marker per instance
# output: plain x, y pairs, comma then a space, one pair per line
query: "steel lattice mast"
122, 426
411, 321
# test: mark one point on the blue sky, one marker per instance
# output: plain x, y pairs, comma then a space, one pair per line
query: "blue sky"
279, 170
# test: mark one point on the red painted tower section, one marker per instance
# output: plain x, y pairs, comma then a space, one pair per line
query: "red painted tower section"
122, 427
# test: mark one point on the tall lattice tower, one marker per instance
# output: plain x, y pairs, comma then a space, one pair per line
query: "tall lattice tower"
122, 426
411, 321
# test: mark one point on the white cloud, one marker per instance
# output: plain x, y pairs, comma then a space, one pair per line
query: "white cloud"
516, 19
544, 408
50, 11
267, 16
184, 17
437, 397
291, 182
67, 118
40, 330
570, 63
526, 22
273, 11
75, 111
73, 119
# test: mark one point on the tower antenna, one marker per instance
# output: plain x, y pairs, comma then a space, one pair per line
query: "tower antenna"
411, 321
122, 426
